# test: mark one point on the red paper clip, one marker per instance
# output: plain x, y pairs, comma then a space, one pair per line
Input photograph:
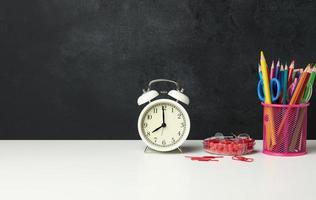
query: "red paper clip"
204, 158
241, 158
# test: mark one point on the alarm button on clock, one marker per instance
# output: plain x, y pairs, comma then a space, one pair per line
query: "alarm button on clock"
179, 96
147, 96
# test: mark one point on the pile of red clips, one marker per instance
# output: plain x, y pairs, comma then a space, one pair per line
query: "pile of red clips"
215, 158
229, 145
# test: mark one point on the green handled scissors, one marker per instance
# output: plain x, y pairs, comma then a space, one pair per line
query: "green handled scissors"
307, 93
309, 87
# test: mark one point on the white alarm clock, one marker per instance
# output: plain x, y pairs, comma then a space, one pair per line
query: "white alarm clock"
163, 124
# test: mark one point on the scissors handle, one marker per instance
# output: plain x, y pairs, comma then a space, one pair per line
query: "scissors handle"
307, 93
260, 90
275, 89
275, 84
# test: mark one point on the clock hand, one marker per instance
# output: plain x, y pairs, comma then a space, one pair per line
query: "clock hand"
163, 115
158, 128
163, 125
163, 118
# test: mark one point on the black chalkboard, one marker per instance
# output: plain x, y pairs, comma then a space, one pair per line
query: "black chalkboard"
74, 69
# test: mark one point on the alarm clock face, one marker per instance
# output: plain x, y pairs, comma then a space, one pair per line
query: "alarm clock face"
164, 125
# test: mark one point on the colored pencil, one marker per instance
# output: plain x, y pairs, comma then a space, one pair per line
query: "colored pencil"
291, 69
294, 86
299, 122
277, 69
266, 84
285, 78
281, 77
298, 128
301, 115
259, 72
267, 95
295, 72
272, 70
301, 72
300, 96
299, 87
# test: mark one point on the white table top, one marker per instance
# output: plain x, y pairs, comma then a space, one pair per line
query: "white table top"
109, 170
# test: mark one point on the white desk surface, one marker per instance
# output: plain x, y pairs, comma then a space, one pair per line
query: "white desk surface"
58, 170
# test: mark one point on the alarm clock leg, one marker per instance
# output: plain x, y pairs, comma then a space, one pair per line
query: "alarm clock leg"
180, 149
146, 149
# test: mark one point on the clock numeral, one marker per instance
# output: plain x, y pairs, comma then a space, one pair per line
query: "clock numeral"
164, 107
148, 133
163, 142
149, 117
182, 125
173, 140
155, 110
145, 125
179, 133
172, 109
179, 116
155, 139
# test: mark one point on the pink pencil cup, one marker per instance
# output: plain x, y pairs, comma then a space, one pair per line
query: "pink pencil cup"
284, 129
